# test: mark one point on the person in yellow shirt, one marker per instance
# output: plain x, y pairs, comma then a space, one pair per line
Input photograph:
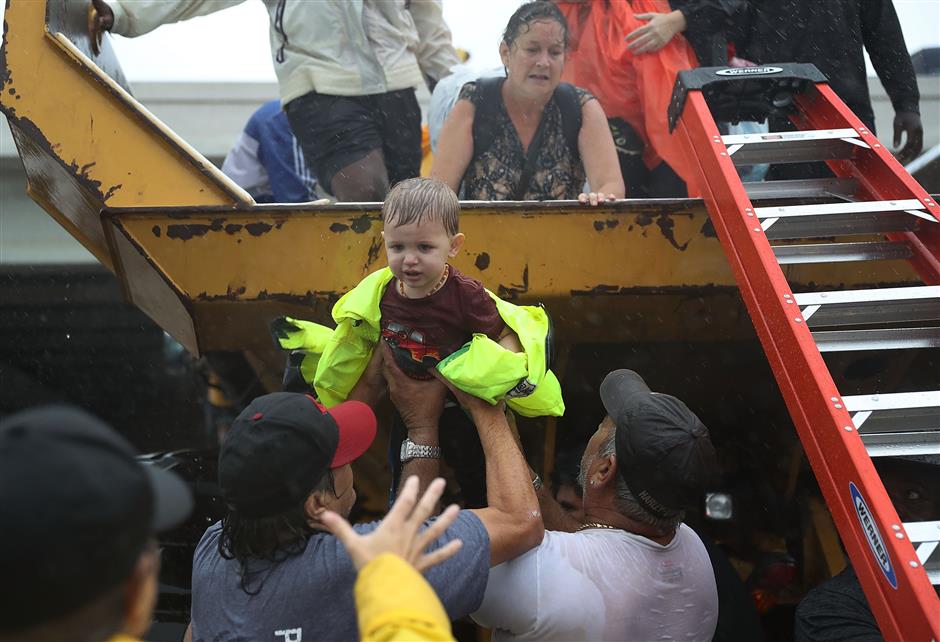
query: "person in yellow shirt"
79, 516
393, 601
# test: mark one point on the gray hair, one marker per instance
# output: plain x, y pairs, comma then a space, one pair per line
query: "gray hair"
627, 504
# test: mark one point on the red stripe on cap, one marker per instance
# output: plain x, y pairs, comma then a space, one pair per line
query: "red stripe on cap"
317, 403
356, 423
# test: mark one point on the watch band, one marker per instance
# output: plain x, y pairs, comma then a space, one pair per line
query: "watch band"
410, 450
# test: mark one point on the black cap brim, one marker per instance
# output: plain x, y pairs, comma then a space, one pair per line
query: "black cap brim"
172, 499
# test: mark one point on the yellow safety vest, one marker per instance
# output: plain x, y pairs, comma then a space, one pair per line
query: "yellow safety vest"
334, 359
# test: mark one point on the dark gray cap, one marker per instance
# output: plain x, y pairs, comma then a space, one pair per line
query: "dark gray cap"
664, 454
77, 509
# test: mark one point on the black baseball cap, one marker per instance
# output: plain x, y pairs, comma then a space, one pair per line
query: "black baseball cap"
281, 446
76, 511
664, 454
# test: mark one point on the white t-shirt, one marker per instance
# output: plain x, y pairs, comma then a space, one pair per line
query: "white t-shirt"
603, 584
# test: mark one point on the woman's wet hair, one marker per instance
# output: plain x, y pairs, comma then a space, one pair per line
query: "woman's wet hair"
521, 21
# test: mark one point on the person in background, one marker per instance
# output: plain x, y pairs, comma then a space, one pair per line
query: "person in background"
80, 516
837, 609
393, 601
267, 162
529, 136
704, 23
633, 569
565, 487
835, 37
633, 83
347, 73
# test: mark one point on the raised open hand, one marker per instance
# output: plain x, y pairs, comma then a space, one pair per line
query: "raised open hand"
400, 532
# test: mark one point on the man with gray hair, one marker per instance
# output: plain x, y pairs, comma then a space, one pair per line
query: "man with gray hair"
633, 569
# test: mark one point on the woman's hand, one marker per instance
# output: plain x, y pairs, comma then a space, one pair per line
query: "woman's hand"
656, 33
400, 532
595, 198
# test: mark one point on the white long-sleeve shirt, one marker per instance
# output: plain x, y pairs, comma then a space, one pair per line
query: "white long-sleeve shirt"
334, 47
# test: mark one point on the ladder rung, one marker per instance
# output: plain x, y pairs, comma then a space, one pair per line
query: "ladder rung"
882, 305
901, 444
858, 207
834, 219
879, 339
898, 412
842, 252
792, 147
802, 188
925, 536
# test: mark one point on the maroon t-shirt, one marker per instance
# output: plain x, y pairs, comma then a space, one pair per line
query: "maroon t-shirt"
424, 331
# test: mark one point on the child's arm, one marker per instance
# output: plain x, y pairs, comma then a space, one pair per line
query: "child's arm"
482, 316
509, 340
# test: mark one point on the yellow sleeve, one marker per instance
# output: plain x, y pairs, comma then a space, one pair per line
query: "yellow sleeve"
395, 603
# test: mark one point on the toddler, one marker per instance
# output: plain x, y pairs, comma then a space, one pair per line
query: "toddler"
430, 309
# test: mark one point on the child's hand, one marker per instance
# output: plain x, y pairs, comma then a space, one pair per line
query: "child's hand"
420, 403
399, 531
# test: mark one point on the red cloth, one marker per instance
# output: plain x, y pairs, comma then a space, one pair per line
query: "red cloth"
634, 88
446, 319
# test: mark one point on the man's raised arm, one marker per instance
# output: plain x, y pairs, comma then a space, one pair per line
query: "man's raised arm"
512, 517
420, 404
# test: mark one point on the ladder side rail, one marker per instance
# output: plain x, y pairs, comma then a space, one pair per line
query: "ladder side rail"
880, 175
837, 455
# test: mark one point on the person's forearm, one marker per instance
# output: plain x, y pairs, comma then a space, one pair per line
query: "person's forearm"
554, 516
884, 41
133, 19
425, 468
508, 481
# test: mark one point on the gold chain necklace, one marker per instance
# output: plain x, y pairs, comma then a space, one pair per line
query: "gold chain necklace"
596, 525
440, 284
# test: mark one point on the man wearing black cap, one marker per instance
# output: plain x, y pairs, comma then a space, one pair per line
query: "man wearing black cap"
272, 571
631, 570
78, 516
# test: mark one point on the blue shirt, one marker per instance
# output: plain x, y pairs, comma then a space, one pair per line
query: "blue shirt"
267, 162
310, 596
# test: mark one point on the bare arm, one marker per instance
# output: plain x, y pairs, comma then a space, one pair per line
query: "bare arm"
512, 519
455, 146
420, 404
598, 152
371, 387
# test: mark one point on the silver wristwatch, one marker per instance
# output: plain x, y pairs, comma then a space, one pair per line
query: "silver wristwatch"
410, 450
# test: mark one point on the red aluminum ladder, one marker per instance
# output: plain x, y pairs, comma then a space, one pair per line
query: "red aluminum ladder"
872, 197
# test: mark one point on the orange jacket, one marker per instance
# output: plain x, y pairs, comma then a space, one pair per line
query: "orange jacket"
634, 88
